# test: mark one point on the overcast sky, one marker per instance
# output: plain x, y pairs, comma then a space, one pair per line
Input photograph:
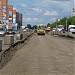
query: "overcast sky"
42, 11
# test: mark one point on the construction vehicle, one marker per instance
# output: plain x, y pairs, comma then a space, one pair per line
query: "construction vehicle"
40, 29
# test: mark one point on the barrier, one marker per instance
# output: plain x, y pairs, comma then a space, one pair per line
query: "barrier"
9, 39
25, 35
19, 36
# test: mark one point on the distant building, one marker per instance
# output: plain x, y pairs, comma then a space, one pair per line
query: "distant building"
73, 11
19, 19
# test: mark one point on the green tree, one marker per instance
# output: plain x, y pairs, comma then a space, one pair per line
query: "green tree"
29, 26
34, 27
70, 20
48, 25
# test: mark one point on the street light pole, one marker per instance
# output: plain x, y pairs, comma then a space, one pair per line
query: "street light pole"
66, 23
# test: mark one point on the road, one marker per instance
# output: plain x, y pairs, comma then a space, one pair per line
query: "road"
43, 55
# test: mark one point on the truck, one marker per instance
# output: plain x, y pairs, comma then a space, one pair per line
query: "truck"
40, 29
71, 29
59, 28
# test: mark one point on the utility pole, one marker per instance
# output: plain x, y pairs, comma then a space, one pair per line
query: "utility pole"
66, 23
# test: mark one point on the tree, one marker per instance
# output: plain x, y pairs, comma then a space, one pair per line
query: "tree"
70, 20
48, 25
29, 26
35, 27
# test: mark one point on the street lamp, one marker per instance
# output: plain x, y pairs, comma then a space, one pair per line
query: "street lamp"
66, 22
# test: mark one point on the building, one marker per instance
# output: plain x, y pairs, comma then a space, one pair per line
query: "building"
1, 16
9, 16
19, 19
73, 11
3, 10
10, 13
14, 15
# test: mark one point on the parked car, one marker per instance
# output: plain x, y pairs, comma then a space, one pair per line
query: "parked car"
53, 29
2, 32
17, 31
10, 31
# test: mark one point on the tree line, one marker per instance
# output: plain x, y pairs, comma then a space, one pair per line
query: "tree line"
64, 21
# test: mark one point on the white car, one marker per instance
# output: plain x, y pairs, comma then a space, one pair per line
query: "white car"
24, 30
2, 32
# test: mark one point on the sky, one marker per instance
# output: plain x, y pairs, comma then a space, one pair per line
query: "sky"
42, 11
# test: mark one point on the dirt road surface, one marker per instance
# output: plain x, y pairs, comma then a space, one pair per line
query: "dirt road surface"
43, 55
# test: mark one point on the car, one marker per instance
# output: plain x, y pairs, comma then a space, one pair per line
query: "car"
24, 30
17, 31
53, 29
10, 31
2, 32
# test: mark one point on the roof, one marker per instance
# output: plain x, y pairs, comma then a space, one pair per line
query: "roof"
47, 29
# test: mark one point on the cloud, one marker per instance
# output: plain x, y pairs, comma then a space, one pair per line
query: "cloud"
37, 10
53, 19
23, 5
40, 20
35, 19
14, 8
61, 0
29, 19
51, 13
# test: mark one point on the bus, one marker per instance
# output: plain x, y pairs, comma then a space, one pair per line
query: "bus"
41, 29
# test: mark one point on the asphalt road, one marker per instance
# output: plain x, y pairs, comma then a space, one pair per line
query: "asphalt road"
43, 55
